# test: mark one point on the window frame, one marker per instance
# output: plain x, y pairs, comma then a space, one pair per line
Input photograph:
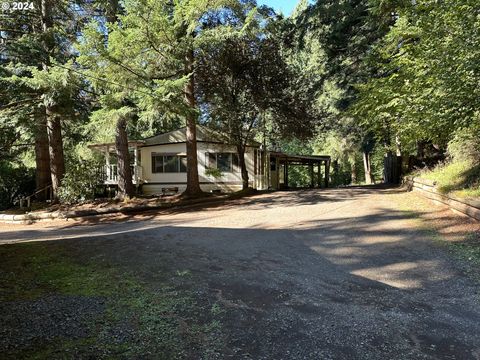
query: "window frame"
233, 160
179, 165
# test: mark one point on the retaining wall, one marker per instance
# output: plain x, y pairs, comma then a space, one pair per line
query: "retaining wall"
428, 189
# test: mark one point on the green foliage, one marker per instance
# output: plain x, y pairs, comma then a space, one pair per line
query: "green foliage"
465, 145
426, 81
298, 176
15, 181
213, 172
460, 177
377, 159
139, 66
245, 82
344, 152
460, 174
80, 182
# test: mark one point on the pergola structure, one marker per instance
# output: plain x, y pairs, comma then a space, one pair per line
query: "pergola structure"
312, 161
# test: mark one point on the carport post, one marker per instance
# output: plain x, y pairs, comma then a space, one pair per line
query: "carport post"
327, 172
319, 175
312, 178
286, 173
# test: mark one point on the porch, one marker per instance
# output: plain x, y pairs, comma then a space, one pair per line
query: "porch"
110, 174
109, 171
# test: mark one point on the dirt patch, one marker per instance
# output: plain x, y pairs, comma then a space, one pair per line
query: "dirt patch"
458, 231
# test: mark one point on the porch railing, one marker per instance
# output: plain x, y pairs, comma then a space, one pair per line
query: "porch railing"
111, 174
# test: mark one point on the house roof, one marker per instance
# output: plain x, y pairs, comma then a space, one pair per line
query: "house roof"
204, 134
299, 158
111, 146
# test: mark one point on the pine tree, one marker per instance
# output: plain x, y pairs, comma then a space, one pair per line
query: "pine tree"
148, 63
40, 94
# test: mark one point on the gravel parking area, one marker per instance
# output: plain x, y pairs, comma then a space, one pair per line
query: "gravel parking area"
315, 274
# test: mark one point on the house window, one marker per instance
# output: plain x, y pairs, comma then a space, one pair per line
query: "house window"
273, 164
183, 164
168, 163
225, 162
157, 163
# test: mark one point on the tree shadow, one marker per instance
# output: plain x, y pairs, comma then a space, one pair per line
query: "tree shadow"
349, 287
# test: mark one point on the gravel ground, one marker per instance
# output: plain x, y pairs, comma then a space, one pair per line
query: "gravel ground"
25, 323
318, 274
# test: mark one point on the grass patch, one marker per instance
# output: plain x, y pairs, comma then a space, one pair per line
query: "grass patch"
461, 178
167, 322
469, 249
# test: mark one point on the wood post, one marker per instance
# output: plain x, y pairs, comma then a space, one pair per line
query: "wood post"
327, 172
277, 172
286, 174
319, 175
312, 179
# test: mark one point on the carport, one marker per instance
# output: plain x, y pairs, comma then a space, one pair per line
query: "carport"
281, 162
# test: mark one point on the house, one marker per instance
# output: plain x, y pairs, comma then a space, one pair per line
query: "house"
160, 162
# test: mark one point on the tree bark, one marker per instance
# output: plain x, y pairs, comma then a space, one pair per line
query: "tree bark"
420, 150
42, 156
124, 172
354, 173
54, 125
367, 167
111, 11
55, 147
193, 185
243, 166
125, 184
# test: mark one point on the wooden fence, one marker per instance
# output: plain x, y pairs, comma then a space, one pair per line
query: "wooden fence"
428, 189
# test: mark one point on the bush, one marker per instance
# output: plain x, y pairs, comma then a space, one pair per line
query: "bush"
15, 182
465, 146
80, 181
298, 176
214, 172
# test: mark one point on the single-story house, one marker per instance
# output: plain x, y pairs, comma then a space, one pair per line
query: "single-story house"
160, 162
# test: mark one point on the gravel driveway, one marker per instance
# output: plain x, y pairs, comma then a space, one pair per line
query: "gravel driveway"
317, 274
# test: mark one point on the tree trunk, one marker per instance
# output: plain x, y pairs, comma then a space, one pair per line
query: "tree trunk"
111, 10
336, 175
354, 173
243, 166
124, 172
42, 156
193, 185
55, 147
420, 150
125, 184
367, 167
54, 125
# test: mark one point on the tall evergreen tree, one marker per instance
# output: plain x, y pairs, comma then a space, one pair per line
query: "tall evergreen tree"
148, 62
42, 94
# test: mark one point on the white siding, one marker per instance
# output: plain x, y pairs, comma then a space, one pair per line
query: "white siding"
230, 181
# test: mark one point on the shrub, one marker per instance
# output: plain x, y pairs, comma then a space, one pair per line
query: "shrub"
80, 181
465, 146
15, 182
214, 172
